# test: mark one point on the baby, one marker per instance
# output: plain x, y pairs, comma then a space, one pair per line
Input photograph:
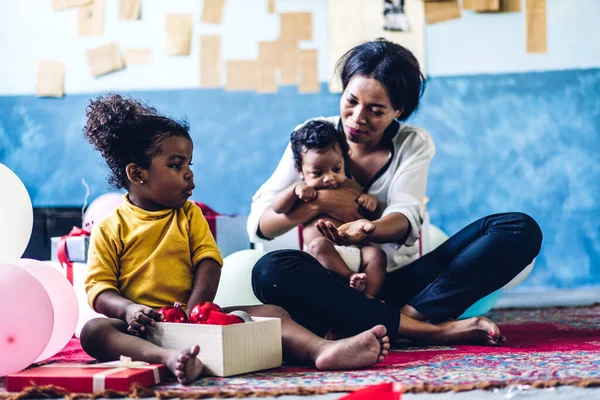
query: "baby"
321, 154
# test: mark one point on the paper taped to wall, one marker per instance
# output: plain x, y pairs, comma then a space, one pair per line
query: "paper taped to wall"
50, 79
105, 59
441, 11
179, 34
90, 19
537, 41
212, 11
130, 9
210, 61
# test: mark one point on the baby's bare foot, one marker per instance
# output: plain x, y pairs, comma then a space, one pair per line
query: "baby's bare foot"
476, 330
362, 350
185, 364
358, 282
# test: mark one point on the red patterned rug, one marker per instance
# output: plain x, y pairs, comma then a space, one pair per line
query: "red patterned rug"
545, 347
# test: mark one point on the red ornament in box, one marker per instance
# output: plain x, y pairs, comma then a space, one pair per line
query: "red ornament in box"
173, 313
211, 314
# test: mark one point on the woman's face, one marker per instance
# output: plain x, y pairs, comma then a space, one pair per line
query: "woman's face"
366, 110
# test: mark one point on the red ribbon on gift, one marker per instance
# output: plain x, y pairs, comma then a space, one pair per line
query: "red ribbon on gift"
210, 216
63, 255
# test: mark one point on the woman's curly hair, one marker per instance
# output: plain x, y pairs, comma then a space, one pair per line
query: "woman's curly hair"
318, 135
125, 131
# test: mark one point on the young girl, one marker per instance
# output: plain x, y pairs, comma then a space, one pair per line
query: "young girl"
320, 153
156, 248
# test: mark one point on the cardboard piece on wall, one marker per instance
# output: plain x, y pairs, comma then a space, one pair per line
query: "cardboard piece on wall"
105, 59
241, 75
91, 19
210, 61
481, 5
294, 27
60, 5
212, 11
510, 5
271, 6
130, 9
50, 79
268, 61
138, 56
309, 72
441, 11
179, 34
289, 62
368, 23
537, 41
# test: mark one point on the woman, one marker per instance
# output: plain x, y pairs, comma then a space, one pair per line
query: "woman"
421, 297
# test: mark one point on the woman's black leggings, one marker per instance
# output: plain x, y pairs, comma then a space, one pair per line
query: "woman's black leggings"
441, 285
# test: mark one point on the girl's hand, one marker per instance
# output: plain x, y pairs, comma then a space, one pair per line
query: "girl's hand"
340, 204
351, 233
138, 317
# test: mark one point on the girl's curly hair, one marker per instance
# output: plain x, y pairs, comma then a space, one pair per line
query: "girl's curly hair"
125, 131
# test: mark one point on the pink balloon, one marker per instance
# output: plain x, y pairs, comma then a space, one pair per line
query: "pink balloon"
64, 303
26, 318
100, 208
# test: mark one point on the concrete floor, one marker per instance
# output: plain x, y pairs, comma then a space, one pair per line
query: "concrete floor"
511, 299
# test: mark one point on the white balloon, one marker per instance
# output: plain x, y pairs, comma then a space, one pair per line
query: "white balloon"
521, 277
235, 286
16, 217
436, 236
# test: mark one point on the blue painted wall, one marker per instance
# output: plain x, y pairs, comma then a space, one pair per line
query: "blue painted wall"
521, 142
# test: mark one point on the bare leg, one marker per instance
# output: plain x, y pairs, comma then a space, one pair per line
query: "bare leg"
374, 261
324, 251
362, 350
106, 339
410, 311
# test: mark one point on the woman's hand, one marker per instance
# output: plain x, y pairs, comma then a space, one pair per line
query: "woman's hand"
138, 317
351, 233
340, 204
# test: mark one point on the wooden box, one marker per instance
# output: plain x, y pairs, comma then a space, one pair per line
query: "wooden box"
225, 350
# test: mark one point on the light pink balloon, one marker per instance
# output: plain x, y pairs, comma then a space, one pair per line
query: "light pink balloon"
26, 318
100, 208
64, 303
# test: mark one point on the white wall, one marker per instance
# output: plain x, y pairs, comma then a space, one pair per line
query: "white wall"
30, 30
476, 43
495, 43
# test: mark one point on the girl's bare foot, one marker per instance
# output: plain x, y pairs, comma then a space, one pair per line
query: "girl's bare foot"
185, 364
358, 281
362, 350
476, 330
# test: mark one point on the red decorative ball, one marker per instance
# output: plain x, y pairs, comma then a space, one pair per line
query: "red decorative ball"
173, 313
200, 313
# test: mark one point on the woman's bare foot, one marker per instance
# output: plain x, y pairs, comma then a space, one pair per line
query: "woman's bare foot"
476, 330
362, 350
185, 365
358, 282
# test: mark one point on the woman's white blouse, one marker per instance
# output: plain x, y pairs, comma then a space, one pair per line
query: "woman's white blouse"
400, 188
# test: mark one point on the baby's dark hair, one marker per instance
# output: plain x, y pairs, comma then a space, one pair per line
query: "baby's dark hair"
125, 130
317, 135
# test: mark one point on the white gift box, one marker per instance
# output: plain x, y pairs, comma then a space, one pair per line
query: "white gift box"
225, 350
77, 248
